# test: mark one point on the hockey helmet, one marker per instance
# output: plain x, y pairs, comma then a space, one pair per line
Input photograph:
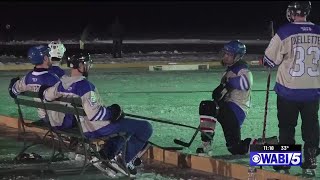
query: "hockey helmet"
75, 60
301, 8
36, 54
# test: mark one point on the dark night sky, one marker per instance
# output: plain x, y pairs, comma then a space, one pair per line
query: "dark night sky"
147, 17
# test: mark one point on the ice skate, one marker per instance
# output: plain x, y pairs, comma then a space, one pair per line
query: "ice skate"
205, 149
309, 165
271, 141
103, 167
308, 172
119, 165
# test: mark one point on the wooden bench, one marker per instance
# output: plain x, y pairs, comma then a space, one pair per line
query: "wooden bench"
30, 99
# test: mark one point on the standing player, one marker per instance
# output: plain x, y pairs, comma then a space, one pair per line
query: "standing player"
230, 105
57, 51
295, 50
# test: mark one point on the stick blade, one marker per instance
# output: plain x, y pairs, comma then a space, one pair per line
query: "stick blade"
172, 148
181, 143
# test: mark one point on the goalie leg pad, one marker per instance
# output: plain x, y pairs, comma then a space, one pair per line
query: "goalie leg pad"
209, 108
208, 124
208, 137
208, 111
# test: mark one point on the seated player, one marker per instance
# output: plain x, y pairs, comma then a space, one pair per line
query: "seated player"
101, 120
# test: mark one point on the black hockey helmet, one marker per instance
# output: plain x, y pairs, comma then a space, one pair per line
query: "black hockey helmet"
301, 8
75, 60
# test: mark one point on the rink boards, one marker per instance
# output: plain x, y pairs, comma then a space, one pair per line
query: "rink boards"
188, 161
179, 67
152, 66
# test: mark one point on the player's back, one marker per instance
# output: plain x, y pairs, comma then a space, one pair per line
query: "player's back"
36, 79
299, 69
78, 86
32, 82
56, 70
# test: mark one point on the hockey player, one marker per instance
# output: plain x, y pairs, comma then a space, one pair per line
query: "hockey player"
40, 57
295, 49
230, 104
101, 120
57, 51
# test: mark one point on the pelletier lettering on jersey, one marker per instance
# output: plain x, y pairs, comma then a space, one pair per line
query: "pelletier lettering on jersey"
305, 39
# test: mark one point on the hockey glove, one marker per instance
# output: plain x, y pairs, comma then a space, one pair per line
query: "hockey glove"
13, 80
116, 113
209, 108
217, 94
41, 91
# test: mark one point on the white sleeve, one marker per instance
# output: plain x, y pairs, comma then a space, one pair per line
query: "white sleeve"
19, 86
273, 55
52, 93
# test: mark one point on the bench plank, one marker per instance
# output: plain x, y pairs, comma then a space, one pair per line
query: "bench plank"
74, 100
51, 106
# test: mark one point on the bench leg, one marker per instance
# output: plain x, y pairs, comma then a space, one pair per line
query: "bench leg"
25, 146
86, 158
52, 158
61, 145
123, 154
89, 153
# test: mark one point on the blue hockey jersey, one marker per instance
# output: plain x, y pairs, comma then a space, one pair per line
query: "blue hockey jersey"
295, 48
54, 69
32, 82
98, 115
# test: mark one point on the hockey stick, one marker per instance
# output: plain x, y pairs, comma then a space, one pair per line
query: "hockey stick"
159, 120
177, 141
267, 96
175, 92
188, 144
266, 107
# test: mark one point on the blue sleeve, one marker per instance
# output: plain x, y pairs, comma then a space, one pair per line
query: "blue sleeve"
103, 114
83, 87
239, 82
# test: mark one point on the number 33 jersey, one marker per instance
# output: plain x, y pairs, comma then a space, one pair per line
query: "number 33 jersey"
295, 48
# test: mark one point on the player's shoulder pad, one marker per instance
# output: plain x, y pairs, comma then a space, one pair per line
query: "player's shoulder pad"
286, 30
84, 86
240, 65
289, 29
28, 74
51, 79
